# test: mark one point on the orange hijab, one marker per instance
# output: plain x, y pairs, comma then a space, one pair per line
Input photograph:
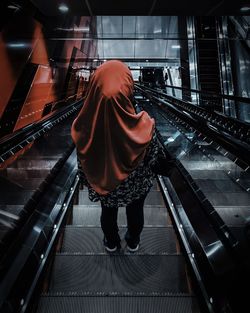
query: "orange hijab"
111, 139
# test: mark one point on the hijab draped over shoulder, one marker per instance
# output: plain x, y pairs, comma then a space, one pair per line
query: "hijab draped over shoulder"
111, 139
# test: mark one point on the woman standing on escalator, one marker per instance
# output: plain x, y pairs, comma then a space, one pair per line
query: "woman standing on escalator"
116, 148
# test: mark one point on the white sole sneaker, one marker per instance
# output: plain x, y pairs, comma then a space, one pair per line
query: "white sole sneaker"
133, 249
110, 249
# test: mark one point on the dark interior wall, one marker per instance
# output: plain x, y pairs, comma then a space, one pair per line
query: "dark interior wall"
240, 53
240, 65
15, 48
241, 68
38, 69
208, 59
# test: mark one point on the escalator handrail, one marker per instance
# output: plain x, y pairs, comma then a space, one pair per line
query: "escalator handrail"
239, 149
217, 116
219, 226
21, 232
9, 142
42, 122
239, 20
241, 99
214, 95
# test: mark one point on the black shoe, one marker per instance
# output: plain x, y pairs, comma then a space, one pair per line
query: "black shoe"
111, 247
133, 248
132, 243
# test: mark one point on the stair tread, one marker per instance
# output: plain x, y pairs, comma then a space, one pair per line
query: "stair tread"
173, 304
156, 240
154, 197
89, 214
118, 272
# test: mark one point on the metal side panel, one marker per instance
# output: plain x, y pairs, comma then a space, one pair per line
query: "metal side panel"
78, 274
170, 304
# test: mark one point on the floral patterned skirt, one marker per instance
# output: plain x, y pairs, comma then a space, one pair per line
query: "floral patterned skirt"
134, 187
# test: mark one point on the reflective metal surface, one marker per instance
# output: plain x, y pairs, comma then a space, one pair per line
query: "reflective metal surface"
21, 179
224, 183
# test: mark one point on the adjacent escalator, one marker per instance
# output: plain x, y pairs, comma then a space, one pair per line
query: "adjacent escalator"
36, 174
221, 181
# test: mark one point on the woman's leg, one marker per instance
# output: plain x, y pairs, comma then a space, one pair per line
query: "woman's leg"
109, 225
135, 221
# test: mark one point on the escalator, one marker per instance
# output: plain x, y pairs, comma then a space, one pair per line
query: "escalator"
207, 59
54, 215
221, 180
34, 164
191, 245
242, 27
85, 278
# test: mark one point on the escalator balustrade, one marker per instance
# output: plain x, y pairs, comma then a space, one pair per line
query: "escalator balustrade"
222, 182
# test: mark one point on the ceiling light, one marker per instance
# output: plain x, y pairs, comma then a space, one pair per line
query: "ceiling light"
13, 7
95, 60
74, 29
175, 46
82, 29
16, 45
170, 139
245, 9
63, 8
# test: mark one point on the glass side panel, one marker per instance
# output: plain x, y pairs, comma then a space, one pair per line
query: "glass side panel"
224, 184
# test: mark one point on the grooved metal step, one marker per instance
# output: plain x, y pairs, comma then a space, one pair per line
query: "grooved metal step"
21, 197
154, 197
78, 274
113, 304
154, 240
85, 278
90, 215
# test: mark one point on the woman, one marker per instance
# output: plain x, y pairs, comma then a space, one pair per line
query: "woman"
116, 148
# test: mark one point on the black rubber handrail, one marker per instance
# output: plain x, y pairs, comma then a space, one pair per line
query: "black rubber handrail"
219, 228
16, 141
235, 128
21, 233
240, 99
212, 94
218, 222
239, 149
42, 122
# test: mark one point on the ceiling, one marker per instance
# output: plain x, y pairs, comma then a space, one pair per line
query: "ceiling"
143, 7
130, 37
135, 31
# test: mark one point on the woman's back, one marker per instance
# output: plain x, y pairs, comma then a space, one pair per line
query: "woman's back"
115, 149
110, 137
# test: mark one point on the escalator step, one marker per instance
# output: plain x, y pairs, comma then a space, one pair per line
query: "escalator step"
27, 183
21, 197
78, 274
36, 162
86, 214
153, 198
233, 215
171, 304
90, 215
154, 240
155, 186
